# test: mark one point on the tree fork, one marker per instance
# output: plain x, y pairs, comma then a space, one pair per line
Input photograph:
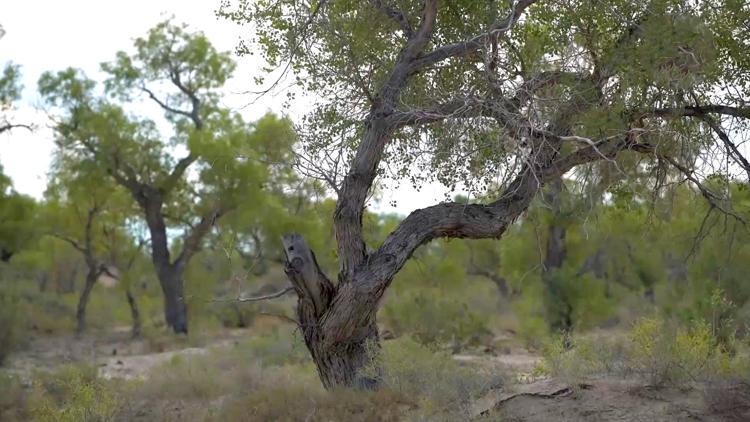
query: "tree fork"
338, 325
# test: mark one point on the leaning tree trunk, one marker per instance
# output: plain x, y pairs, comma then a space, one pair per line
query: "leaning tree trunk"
83, 300
135, 314
172, 284
338, 325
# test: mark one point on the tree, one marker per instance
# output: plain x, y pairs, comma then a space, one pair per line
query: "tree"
230, 160
476, 92
16, 219
90, 215
10, 92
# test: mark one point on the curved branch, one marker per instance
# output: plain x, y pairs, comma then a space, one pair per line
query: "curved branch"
467, 47
358, 181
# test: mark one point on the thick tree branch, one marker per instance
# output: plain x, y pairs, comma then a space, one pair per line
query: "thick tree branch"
731, 147
194, 114
357, 183
699, 111
179, 170
195, 236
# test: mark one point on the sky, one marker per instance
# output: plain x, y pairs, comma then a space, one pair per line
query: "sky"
54, 34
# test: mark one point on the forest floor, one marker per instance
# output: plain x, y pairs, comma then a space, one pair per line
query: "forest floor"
523, 397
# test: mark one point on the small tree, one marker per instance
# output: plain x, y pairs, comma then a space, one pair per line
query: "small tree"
182, 74
477, 92
90, 215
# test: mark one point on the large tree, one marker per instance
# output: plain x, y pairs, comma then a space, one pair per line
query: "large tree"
210, 162
518, 92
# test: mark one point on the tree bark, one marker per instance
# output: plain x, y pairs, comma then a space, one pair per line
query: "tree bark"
340, 351
91, 277
135, 314
559, 309
175, 309
170, 275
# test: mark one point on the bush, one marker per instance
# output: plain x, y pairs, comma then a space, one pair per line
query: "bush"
431, 316
657, 350
13, 406
279, 402
74, 393
11, 323
437, 383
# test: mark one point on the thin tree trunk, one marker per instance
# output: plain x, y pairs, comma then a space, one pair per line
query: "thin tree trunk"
83, 300
134, 313
175, 308
559, 310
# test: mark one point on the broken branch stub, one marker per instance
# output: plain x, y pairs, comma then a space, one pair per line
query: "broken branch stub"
313, 288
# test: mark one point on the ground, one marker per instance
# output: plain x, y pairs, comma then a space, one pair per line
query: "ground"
522, 397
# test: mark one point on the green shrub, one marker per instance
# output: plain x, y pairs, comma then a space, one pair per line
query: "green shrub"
13, 400
74, 393
438, 383
662, 352
11, 323
295, 402
282, 346
432, 316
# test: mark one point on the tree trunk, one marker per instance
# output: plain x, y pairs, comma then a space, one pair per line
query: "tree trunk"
559, 309
134, 313
341, 333
175, 308
83, 300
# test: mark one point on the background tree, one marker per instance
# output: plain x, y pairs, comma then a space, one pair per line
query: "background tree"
474, 91
89, 214
17, 228
183, 181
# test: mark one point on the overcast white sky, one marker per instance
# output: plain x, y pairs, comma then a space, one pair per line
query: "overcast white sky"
53, 34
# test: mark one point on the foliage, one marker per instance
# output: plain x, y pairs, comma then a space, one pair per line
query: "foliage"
657, 350
13, 399
11, 322
73, 393
441, 385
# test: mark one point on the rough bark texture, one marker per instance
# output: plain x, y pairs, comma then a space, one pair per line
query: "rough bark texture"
339, 354
175, 308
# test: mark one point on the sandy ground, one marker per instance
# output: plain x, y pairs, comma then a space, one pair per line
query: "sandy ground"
116, 355
523, 398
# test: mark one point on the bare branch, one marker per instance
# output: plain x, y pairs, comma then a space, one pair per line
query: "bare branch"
177, 173
258, 298
164, 105
11, 126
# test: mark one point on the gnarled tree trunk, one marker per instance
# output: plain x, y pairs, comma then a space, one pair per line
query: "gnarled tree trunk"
340, 348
